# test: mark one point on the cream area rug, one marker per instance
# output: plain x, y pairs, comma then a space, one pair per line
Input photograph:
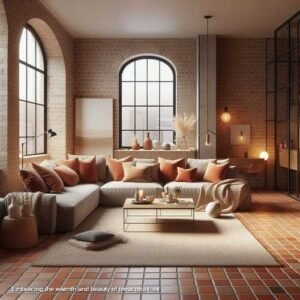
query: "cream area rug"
206, 242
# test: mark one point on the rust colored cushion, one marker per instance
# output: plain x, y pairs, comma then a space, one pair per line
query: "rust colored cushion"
32, 181
186, 175
136, 174
67, 175
168, 168
88, 171
215, 172
52, 180
70, 163
116, 168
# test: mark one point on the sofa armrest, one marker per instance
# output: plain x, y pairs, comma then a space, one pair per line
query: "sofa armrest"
45, 213
43, 207
3, 210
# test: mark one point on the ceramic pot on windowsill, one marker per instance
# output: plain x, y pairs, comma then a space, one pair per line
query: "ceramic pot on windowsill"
135, 145
148, 142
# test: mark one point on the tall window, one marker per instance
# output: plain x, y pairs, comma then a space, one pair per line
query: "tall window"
32, 92
147, 100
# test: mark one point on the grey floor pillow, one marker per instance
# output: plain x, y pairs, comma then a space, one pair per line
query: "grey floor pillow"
95, 240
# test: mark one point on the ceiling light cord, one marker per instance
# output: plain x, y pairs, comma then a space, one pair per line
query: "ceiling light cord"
207, 73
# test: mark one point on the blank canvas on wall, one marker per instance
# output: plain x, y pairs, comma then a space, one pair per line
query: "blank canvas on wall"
94, 126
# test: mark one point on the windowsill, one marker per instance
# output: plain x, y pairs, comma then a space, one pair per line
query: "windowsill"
34, 158
158, 150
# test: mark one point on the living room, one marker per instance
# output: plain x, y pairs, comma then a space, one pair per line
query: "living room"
149, 149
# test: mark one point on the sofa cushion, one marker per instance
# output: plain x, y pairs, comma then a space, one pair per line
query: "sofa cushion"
168, 168
32, 181
215, 172
134, 173
67, 175
200, 164
186, 175
70, 163
187, 189
154, 170
47, 163
116, 192
88, 170
100, 164
115, 167
52, 180
75, 204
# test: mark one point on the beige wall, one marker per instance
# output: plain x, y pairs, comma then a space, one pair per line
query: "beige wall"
97, 63
18, 14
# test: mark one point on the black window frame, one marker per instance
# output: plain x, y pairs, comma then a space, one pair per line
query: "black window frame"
26, 101
135, 59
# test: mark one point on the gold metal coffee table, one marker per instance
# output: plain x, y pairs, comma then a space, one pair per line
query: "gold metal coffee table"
159, 208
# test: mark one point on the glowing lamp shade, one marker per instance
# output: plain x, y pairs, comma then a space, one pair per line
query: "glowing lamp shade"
207, 140
225, 117
264, 155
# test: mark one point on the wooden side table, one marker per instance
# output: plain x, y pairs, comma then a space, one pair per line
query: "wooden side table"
19, 233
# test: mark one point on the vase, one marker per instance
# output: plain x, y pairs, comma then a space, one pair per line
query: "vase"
147, 142
166, 146
26, 210
135, 145
156, 144
13, 208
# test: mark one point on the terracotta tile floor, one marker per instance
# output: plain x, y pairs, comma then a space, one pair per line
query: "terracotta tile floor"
274, 220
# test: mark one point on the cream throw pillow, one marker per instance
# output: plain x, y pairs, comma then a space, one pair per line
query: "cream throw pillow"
136, 174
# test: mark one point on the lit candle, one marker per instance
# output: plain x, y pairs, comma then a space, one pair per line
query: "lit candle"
141, 195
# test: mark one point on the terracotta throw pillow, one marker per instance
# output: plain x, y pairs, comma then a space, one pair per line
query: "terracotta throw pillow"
168, 168
116, 168
215, 173
32, 181
67, 175
154, 169
52, 180
136, 174
88, 171
100, 164
200, 165
70, 163
186, 175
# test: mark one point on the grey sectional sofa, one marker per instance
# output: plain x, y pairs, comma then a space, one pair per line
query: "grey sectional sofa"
69, 209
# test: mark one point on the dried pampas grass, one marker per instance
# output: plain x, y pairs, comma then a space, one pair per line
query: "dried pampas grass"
184, 124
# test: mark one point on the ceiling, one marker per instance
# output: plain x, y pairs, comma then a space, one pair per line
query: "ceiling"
170, 18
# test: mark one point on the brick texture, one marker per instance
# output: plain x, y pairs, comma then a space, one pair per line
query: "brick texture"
241, 87
59, 49
97, 63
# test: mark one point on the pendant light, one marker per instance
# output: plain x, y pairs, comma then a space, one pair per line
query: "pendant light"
225, 116
207, 132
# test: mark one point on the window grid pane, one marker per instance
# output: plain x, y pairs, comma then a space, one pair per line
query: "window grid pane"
147, 100
32, 102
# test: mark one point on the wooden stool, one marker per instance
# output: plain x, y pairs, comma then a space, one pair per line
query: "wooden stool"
19, 233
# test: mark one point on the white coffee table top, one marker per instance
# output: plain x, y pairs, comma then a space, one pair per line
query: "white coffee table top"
159, 203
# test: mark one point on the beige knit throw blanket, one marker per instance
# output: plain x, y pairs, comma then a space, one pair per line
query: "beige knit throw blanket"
232, 194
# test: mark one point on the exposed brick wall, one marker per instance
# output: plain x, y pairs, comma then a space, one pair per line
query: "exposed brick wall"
18, 14
97, 63
241, 87
3, 97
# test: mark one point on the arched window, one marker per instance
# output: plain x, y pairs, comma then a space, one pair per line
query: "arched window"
32, 92
147, 100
